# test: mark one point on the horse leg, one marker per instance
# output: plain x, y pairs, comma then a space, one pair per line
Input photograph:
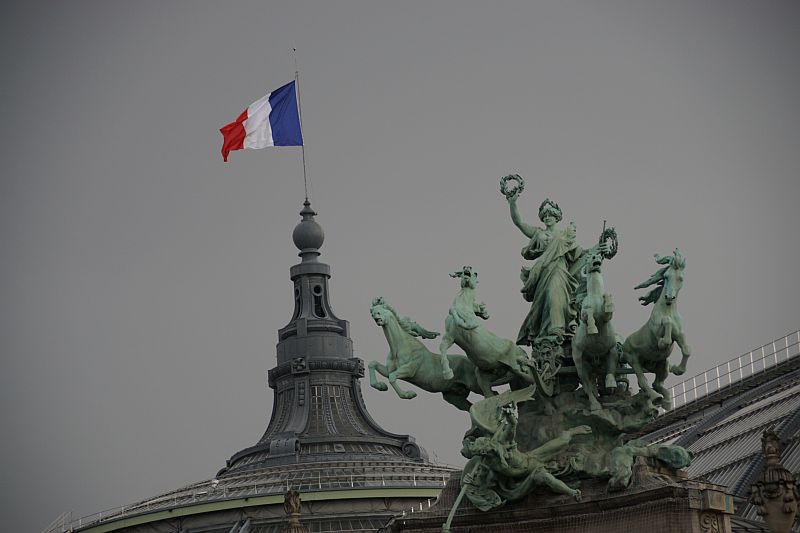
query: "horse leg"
612, 362
404, 394
373, 379
662, 371
459, 400
586, 380
484, 382
666, 339
447, 342
402, 372
633, 360
608, 307
588, 313
686, 352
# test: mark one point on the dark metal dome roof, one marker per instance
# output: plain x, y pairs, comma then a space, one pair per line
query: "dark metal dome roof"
318, 413
320, 439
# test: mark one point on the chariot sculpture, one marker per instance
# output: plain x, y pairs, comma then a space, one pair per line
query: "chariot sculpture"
568, 404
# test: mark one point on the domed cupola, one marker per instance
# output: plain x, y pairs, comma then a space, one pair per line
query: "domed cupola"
318, 413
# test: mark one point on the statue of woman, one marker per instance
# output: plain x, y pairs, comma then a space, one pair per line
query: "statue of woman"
550, 283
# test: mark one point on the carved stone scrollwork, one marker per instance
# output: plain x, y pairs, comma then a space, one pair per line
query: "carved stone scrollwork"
709, 522
547, 357
410, 449
359, 368
299, 365
775, 495
284, 446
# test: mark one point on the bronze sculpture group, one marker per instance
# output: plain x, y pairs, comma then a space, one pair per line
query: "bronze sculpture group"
568, 405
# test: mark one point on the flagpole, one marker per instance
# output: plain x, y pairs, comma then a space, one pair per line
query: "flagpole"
306, 180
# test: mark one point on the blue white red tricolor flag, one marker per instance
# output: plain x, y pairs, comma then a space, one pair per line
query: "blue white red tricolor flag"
269, 121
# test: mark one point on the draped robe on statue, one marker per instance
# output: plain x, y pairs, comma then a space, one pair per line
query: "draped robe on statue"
549, 284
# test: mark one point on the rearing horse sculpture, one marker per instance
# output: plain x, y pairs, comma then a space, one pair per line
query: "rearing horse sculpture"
594, 346
492, 356
649, 347
411, 361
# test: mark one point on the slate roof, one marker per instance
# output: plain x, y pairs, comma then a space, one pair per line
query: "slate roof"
723, 429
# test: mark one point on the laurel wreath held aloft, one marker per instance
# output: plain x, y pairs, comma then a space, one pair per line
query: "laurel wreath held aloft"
516, 188
610, 234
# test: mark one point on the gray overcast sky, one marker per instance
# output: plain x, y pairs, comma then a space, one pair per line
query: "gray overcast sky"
143, 281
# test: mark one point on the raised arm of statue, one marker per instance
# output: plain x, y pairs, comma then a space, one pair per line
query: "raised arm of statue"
524, 227
603, 248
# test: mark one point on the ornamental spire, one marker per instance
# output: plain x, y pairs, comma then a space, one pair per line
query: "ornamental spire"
308, 235
318, 412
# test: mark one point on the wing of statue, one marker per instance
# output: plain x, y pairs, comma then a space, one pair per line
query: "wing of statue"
484, 412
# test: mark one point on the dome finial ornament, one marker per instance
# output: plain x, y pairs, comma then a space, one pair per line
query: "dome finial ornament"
308, 235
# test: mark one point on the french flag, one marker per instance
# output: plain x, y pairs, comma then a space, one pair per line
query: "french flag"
269, 121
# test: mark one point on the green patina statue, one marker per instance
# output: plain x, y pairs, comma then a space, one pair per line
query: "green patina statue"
568, 407
551, 283
493, 438
595, 344
411, 361
650, 346
497, 470
492, 356
622, 459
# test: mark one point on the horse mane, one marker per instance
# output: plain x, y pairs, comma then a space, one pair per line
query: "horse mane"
408, 325
672, 261
414, 329
656, 279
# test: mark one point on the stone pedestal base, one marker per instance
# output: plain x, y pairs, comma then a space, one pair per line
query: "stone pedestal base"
656, 502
